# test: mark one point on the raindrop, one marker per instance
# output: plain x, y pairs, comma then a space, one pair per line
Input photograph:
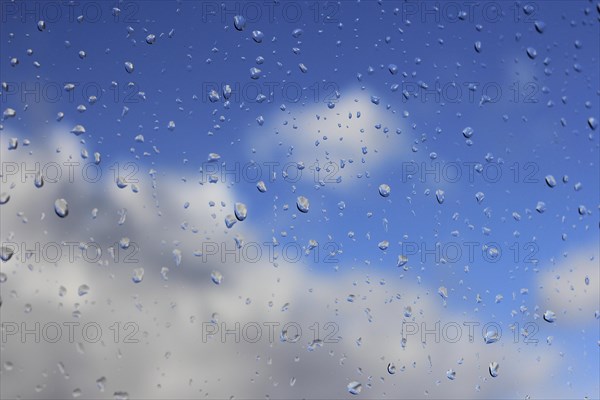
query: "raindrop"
494, 366
9, 113
354, 388
468, 132
138, 275
550, 181
240, 211
41, 25
384, 190
383, 245
479, 196
239, 22
391, 368
549, 316
442, 291
230, 220
150, 39
402, 260
61, 208
451, 374
4, 198
261, 187
83, 290
302, 204
6, 253
440, 196
531, 52
258, 36
78, 130
129, 66
216, 277
478, 46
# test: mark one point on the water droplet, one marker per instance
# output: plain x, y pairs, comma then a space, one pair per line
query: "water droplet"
230, 220
61, 208
549, 316
550, 181
354, 388
491, 336
393, 68
302, 204
442, 291
121, 183
129, 66
478, 46
78, 130
216, 277
451, 374
261, 187
258, 36
479, 196
383, 245
41, 25
9, 113
138, 275
83, 290
593, 123
531, 52
391, 368
4, 198
494, 366
38, 181
540, 207
303, 68
6, 253
540, 26
296, 33
384, 190
440, 196
468, 132
255, 73
239, 22
402, 260
240, 211
150, 39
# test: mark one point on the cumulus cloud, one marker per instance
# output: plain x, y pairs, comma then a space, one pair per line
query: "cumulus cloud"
174, 358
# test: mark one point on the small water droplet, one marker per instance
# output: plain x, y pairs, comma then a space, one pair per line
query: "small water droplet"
240, 211
354, 388
83, 290
239, 22
391, 368
550, 181
216, 277
138, 275
129, 66
494, 366
261, 187
549, 316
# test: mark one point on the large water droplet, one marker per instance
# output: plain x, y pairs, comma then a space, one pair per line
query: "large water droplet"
549, 316
129, 66
61, 208
4, 198
550, 181
239, 22
302, 204
384, 190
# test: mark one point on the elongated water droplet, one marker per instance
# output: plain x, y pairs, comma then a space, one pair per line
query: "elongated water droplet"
550, 181
129, 66
240, 211
261, 187
239, 22
6, 253
4, 198
230, 220
257, 36
391, 368
216, 277
494, 366
440, 196
61, 208
354, 388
